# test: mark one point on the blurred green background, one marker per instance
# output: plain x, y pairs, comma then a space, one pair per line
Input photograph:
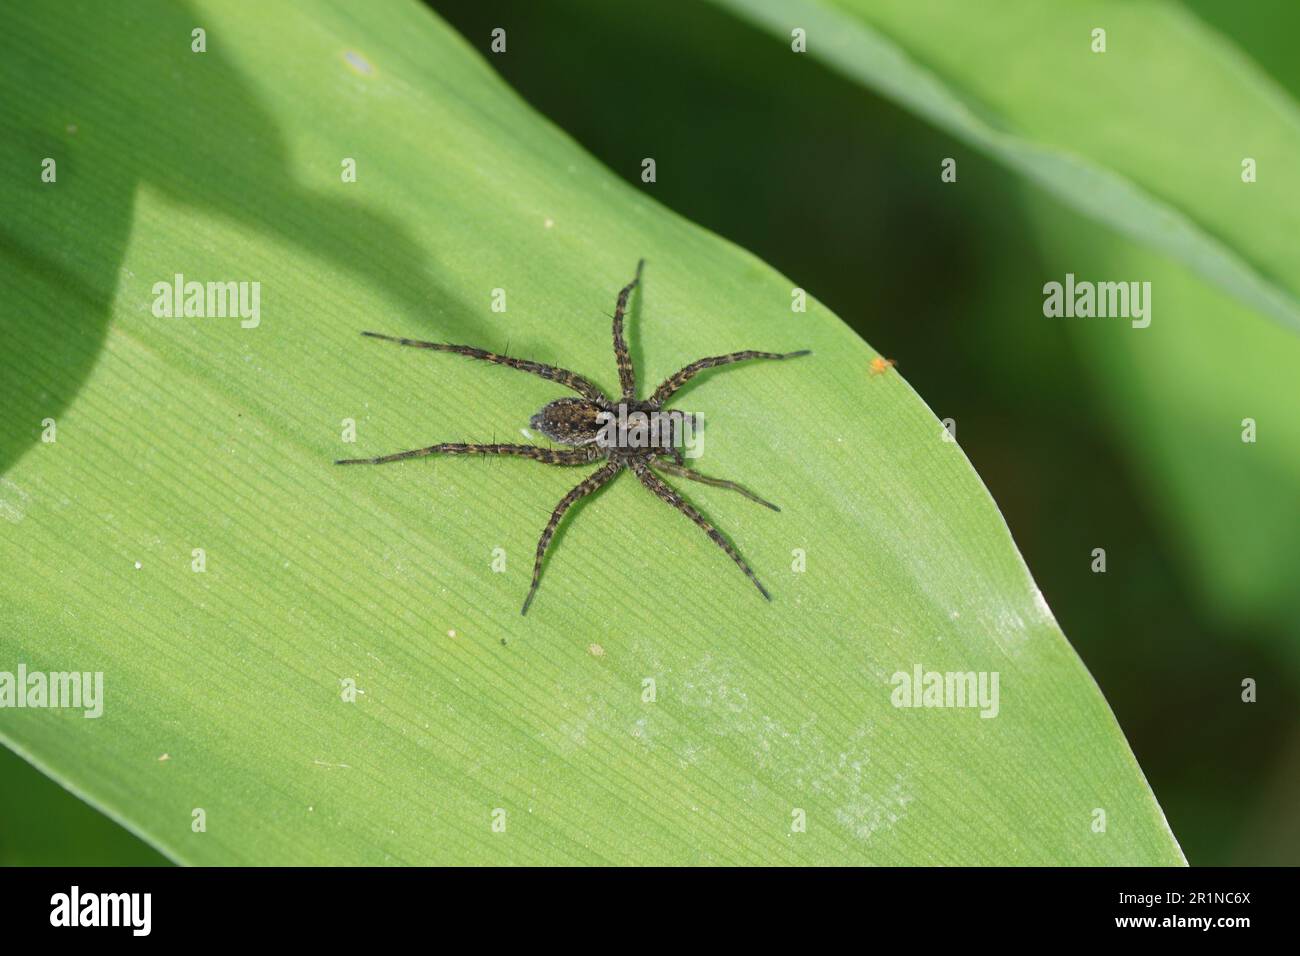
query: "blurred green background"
1078, 429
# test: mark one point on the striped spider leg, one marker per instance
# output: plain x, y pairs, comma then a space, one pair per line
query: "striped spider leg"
581, 427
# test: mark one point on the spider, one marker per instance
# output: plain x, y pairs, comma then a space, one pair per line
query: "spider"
583, 424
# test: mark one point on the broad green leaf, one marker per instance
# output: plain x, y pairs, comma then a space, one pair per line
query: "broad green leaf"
41, 824
651, 707
1203, 401
1148, 137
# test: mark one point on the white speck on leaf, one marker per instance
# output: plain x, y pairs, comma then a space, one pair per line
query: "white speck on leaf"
13, 501
358, 63
798, 759
1040, 605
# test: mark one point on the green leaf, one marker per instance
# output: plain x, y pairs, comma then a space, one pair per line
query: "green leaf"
1147, 137
224, 690
41, 824
1203, 401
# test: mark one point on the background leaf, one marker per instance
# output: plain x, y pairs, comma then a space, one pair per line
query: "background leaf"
1147, 137
45, 825
177, 434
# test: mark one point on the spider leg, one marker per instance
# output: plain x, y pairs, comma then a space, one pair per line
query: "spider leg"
672, 384
683, 472
551, 373
626, 374
664, 491
547, 456
584, 488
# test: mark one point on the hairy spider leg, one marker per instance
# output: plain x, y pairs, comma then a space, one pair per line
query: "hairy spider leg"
672, 384
551, 373
626, 373
586, 487
681, 471
547, 456
665, 492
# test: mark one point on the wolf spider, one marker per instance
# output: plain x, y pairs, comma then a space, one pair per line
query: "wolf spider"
581, 424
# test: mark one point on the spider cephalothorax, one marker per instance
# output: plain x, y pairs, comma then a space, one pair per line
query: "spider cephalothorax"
639, 435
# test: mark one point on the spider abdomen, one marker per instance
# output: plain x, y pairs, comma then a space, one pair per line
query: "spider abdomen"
569, 421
